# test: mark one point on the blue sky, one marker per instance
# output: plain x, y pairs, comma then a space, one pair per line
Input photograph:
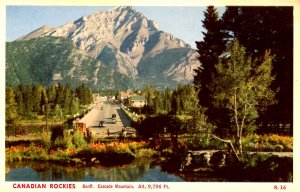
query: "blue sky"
182, 22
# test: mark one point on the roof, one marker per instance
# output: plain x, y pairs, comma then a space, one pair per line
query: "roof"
138, 97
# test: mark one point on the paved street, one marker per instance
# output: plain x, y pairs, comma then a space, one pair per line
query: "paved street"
103, 112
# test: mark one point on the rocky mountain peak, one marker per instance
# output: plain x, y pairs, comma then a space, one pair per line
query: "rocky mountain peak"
123, 8
124, 38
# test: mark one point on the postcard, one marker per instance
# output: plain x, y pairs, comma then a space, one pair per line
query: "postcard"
149, 96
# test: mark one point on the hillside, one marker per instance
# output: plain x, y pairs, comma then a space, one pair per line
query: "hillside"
120, 40
54, 59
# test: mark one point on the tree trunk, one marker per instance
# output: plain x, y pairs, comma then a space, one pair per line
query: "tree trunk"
239, 145
230, 144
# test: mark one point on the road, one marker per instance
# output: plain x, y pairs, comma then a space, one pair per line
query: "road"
103, 112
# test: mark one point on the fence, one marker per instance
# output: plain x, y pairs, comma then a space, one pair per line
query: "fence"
281, 129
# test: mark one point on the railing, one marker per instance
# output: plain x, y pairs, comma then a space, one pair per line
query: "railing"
281, 129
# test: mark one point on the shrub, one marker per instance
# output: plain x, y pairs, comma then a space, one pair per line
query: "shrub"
34, 152
136, 145
78, 139
251, 160
58, 143
64, 142
68, 141
56, 132
46, 139
269, 142
119, 147
145, 153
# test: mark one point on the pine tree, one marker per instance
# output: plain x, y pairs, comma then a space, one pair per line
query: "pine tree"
59, 95
36, 98
149, 93
67, 95
28, 100
44, 102
261, 28
11, 113
20, 101
84, 94
74, 106
57, 111
51, 94
209, 50
158, 103
168, 100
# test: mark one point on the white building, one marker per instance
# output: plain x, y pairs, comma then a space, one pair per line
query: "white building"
137, 101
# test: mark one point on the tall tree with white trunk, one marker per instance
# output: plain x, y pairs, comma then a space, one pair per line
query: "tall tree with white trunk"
242, 85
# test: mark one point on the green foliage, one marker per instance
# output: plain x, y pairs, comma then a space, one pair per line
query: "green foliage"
252, 160
39, 59
241, 85
145, 153
201, 142
11, 113
49, 60
74, 106
78, 139
84, 94
161, 124
68, 141
262, 28
152, 66
180, 101
57, 112
64, 142
184, 100
46, 139
149, 93
209, 50
56, 132
270, 142
37, 92
59, 143
55, 101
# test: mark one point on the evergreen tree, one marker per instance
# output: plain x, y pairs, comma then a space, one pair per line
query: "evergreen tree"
209, 50
59, 95
20, 101
158, 103
51, 94
261, 28
149, 94
241, 85
84, 94
74, 106
176, 104
44, 102
184, 100
57, 111
28, 101
11, 113
67, 95
189, 99
168, 100
36, 98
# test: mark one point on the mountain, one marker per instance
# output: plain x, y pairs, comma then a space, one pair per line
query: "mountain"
55, 59
126, 42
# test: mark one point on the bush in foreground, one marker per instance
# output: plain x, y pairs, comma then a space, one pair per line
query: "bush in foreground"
121, 152
270, 142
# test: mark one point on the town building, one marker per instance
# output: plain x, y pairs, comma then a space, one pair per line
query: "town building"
137, 101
